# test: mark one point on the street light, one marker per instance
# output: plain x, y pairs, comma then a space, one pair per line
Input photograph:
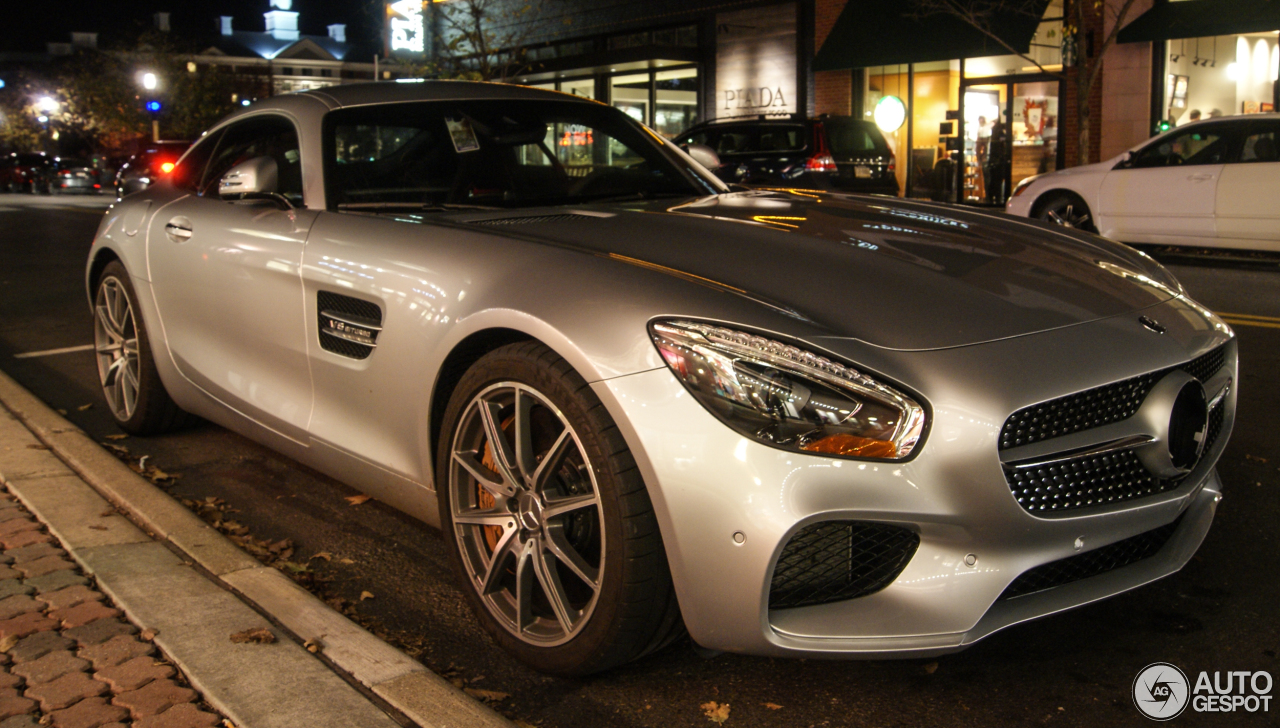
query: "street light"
47, 105
149, 81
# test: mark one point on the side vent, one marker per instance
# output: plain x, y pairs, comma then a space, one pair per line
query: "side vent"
348, 326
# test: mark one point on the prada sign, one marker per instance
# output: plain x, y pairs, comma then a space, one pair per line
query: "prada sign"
756, 61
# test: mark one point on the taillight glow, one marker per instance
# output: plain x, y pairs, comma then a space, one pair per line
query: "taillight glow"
166, 168
820, 163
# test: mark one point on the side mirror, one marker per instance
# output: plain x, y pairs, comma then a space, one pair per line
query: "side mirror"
259, 177
702, 154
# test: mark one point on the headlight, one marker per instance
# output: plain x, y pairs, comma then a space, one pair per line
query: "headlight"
787, 397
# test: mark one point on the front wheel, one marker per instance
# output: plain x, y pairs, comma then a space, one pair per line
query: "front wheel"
549, 524
136, 397
1067, 211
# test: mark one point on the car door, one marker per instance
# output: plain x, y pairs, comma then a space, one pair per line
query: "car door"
1167, 191
227, 285
1247, 213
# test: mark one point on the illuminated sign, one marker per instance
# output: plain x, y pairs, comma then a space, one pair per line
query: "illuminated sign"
404, 27
756, 70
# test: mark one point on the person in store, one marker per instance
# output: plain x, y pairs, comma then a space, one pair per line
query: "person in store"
999, 160
1194, 115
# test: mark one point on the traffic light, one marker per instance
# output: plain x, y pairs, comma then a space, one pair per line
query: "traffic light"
153, 107
1162, 126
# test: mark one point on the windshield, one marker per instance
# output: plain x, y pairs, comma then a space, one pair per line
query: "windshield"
497, 153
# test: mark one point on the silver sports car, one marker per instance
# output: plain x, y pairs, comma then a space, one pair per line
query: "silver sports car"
638, 402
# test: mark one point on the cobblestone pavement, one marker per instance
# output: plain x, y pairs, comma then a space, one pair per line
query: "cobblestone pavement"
67, 658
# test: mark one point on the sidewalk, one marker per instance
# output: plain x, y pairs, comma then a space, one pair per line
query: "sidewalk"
177, 585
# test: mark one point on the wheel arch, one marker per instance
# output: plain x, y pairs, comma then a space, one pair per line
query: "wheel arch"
1048, 195
459, 359
101, 259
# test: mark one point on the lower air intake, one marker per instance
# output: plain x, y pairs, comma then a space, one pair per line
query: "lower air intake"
837, 560
1091, 563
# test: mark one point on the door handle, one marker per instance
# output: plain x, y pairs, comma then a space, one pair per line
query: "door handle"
178, 230
1201, 177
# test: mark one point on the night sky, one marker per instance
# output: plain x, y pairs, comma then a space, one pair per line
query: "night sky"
28, 25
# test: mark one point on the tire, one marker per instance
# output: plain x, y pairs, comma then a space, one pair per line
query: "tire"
581, 529
1067, 211
135, 395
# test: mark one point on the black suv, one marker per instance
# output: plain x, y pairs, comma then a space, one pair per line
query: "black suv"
827, 153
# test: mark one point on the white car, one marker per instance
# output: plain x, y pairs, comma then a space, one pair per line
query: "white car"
1212, 183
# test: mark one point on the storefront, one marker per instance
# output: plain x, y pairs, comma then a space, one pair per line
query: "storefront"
1212, 57
977, 119
722, 59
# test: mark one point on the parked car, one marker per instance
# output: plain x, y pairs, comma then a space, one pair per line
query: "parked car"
1210, 183
794, 423
74, 175
828, 153
148, 165
26, 172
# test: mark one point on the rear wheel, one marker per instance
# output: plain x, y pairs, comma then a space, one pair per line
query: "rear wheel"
550, 527
136, 397
1067, 211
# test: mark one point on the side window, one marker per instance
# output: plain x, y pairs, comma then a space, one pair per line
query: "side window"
270, 136
734, 141
1194, 146
782, 139
705, 138
1261, 145
190, 170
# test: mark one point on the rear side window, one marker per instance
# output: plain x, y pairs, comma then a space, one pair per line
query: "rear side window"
854, 138
788, 138
1261, 145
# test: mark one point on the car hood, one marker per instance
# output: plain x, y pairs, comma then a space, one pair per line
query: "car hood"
887, 272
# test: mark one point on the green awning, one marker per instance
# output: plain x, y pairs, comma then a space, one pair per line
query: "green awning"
1201, 19
889, 32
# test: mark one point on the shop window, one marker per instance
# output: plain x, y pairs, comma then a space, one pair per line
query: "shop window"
631, 40
686, 37
630, 93
584, 87
1219, 76
1045, 51
677, 101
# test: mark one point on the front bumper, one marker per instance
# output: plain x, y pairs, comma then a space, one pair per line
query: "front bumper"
728, 505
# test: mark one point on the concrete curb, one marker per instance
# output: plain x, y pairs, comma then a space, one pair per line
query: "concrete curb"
192, 621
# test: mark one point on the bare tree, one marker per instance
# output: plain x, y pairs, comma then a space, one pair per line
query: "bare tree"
1080, 51
483, 40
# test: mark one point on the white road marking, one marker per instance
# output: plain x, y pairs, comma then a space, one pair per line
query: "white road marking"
52, 352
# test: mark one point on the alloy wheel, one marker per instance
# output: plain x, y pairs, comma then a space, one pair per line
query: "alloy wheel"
1068, 216
527, 514
115, 338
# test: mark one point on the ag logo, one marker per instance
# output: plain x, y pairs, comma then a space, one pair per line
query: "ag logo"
1160, 691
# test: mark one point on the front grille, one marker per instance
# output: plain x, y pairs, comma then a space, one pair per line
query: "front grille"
1096, 407
340, 304
837, 560
1091, 563
1090, 480
1216, 417
528, 219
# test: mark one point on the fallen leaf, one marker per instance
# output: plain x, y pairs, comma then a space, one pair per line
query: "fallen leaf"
773, 706
117, 437
491, 696
931, 668
226, 723
84, 407
716, 712
37, 447
312, 646
8, 642
323, 555
119, 450
345, 561
366, 595
148, 634
108, 512
523, 724
1254, 457
356, 500
98, 528
258, 635
61, 411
